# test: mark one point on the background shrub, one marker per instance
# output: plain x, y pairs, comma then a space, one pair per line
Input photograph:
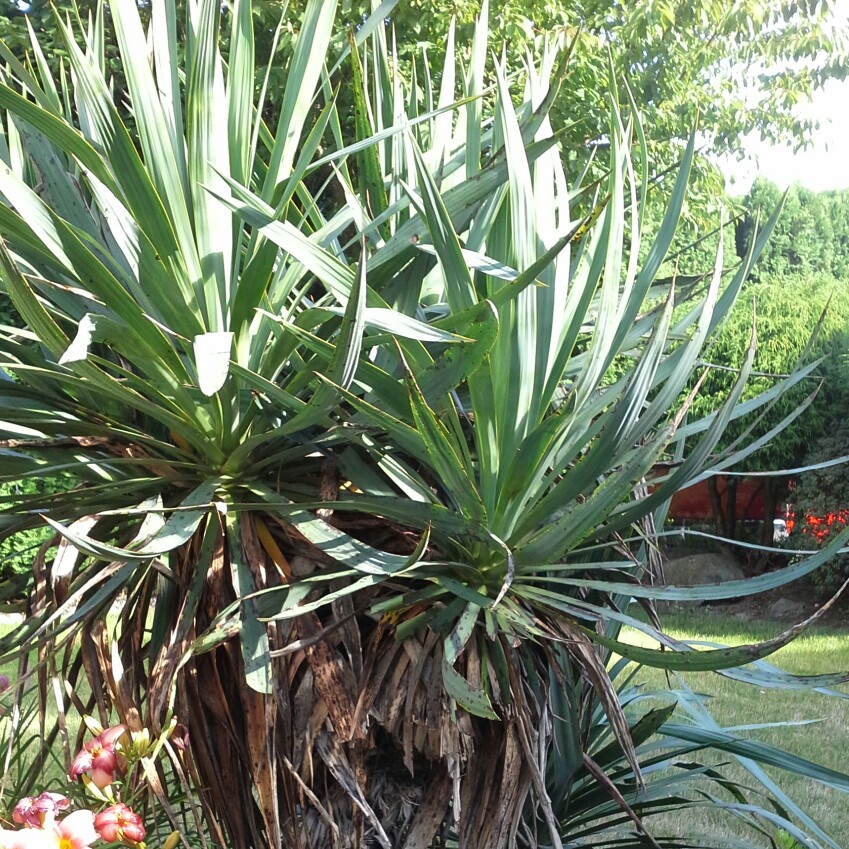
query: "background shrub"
18, 550
820, 508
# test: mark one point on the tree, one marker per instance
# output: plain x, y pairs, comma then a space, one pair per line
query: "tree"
810, 238
363, 448
788, 313
686, 63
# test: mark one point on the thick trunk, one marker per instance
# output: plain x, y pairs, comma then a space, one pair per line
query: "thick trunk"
724, 505
774, 490
495, 787
356, 743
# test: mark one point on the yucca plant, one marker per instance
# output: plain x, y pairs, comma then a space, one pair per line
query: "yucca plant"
684, 757
374, 421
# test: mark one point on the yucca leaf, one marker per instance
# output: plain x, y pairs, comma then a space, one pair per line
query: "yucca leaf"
662, 241
29, 307
646, 727
460, 203
467, 697
176, 531
704, 719
444, 455
335, 544
765, 675
372, 189
760, 752
240, 92
57, 130
212, 356
208, 155
698, 661
460, 290
474, 90
252, 633
164, 153
727, 589
302, 81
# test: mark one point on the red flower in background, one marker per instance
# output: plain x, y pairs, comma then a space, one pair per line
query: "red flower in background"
819, 527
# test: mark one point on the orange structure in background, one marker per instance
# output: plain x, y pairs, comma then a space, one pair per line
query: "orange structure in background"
694, 504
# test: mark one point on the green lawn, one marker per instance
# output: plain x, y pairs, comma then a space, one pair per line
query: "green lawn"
53, 771
733, 703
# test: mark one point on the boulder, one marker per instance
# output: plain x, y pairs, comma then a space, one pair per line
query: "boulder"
696, 569
788, 608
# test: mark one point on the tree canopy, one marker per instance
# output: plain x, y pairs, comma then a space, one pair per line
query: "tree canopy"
730, 69
785, 313
811, 236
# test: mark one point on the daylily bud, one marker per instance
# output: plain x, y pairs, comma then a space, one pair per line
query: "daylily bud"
140, 742
180, 737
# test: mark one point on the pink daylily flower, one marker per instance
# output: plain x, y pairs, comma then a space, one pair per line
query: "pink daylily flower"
36, 811
75, 831
99, 758
27, 838
120, 824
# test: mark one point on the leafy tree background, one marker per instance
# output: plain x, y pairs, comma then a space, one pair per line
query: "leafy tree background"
730, 69
798, 282
811, 237
804, 265
785, 312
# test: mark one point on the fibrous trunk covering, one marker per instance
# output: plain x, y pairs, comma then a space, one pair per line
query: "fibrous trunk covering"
358, 745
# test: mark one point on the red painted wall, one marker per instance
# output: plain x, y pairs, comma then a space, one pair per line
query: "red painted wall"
694, 501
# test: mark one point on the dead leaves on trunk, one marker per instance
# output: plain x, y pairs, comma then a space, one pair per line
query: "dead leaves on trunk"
357, 743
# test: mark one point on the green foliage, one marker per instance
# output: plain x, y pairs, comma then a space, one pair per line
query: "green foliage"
820, 506
686, 63
681, 60
811, 237
785, 841
7, 311
785, 314
18, 550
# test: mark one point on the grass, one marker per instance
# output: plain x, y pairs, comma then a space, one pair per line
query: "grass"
52, 773
733, 704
